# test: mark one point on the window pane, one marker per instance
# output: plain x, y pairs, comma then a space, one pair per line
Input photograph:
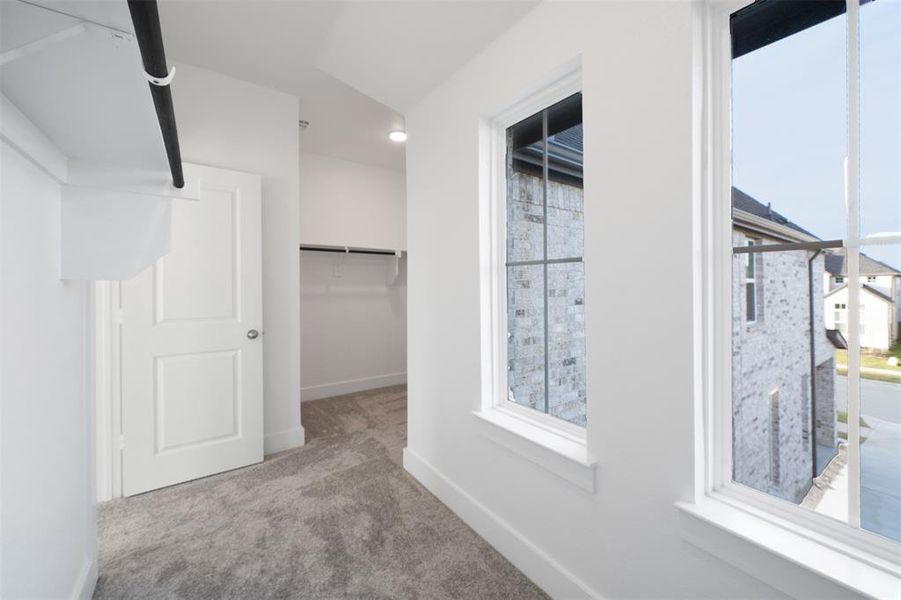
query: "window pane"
565, 215
789, 115
566, 342
525, 190
880, 117
525, 336
783, 371
880, 403
565, 209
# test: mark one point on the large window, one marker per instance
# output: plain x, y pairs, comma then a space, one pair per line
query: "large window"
545, 289
811, 175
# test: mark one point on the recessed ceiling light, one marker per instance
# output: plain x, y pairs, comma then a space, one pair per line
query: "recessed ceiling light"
398, 136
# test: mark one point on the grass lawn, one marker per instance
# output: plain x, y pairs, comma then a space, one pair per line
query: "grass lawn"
872, 361
867, 360
889, 377
842, 417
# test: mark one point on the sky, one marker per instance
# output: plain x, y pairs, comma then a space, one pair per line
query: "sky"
789, 126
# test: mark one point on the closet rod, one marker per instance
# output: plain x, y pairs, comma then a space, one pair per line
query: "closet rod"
146, 19
347, 251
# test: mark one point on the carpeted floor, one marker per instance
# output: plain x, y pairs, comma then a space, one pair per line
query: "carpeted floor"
338, 518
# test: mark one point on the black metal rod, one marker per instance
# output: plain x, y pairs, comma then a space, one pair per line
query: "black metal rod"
550, 261
758, 248
146, 18
347, 251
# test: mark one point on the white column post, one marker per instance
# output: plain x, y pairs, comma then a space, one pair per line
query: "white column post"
852, 185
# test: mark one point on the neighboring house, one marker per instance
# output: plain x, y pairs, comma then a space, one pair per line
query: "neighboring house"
880, 300
783, 370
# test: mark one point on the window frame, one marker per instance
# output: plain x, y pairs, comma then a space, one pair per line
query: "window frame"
715, 304
495, 396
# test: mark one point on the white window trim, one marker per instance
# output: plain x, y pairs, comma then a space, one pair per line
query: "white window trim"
542, 438
871, 563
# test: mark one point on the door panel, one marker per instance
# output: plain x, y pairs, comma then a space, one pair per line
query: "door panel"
200, 280
197, 399
191, 377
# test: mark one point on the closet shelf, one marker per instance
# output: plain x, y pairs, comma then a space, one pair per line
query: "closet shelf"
351, 250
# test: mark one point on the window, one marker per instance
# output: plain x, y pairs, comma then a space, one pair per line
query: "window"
544, 274
871, 279
839, 318
790, 397
750, 286
862, 324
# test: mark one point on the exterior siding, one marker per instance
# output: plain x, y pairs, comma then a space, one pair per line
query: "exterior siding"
525, 298
772, 354
887, 284
877, 318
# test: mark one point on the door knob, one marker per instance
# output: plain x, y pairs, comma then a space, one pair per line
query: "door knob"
253, 334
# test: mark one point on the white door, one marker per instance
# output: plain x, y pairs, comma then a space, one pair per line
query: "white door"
192, 356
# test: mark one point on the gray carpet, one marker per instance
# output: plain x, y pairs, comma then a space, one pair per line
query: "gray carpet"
338, 518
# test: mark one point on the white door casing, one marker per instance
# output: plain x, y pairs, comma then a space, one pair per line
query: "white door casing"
192, 378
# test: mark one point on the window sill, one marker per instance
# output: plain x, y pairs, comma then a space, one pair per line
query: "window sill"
831, 560
561, 454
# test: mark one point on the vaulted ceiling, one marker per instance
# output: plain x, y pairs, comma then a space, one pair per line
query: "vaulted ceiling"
356, 66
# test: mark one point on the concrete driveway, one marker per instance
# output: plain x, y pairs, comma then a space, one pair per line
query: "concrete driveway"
879, 399
880, 454
880, 479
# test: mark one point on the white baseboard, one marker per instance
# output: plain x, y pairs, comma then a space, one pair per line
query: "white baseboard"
327, 390
547, 573
283, 440
86, 582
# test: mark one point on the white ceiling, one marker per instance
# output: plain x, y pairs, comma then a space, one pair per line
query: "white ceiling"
107, 115
397, 52
356, 66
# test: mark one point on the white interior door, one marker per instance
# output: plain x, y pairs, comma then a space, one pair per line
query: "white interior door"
192, 355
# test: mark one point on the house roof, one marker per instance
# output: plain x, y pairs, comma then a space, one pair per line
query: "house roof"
837, 265
838, 340
570, 138
875, 291
747, 204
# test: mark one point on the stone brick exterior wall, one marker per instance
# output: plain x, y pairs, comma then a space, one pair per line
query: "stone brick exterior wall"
565, 298
773, 354
825, 404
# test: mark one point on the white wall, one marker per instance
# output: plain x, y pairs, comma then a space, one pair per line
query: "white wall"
228, 123
47, 523
353, 323
624, 540
346, 203
353, 310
